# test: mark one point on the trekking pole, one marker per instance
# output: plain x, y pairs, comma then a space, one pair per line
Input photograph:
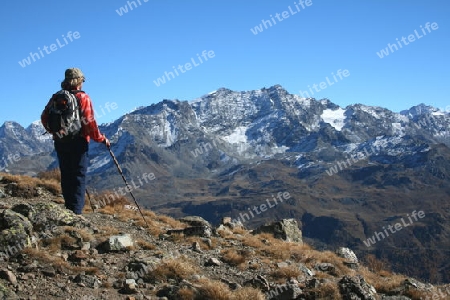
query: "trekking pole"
126, 183
90, 201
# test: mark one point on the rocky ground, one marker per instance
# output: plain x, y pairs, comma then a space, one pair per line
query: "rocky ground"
47, 252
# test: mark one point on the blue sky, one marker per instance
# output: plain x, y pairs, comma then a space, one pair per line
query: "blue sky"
122, 55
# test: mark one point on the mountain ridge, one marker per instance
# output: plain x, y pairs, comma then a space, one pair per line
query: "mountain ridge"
224, 152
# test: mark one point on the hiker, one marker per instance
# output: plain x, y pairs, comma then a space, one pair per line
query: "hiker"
72, 149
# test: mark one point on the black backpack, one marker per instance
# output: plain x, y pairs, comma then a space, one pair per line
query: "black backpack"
63, 112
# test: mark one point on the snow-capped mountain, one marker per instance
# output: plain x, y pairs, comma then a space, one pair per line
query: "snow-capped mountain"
350, 170
249, 126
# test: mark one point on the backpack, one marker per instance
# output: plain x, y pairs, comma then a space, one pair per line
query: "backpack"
63, 113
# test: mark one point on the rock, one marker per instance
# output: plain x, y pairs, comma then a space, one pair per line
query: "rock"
202, 231
46, 216
284, 292
15, 233
15, 190
356, 288
260, 282
87, 281
232, 285
86, 246
226, 220
196, 247
78, 256
213, 262
286, 229
169, 291
282, 264
139, 269
2, 194
120, 243
351, 260
235, 224
313, 283
5, 293
129, 287
395, 298
224, 229
49, 271
195, 221
325, 267
8, 275
75, 241
305, 270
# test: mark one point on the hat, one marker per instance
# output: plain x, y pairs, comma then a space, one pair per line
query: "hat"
73, 73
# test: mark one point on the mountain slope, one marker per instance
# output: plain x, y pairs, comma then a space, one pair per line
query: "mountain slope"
349, 171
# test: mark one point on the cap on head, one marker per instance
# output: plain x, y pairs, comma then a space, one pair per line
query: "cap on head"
73, 73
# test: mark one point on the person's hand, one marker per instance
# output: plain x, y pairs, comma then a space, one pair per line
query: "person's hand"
106, 142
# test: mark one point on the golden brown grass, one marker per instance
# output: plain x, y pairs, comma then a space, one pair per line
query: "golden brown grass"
145, 245
213, 290
185, 293
176, 268
234, 257
285, 273
171, 222
328, 290
239, 230
110, 202
58, 263
251, 240
217, 290
276, 249
420, 295
374, 264
192, 239
108, 230
247, 293
26, 186
55, 244
54, 174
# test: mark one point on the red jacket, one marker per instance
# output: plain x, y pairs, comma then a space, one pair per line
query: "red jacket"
89, 127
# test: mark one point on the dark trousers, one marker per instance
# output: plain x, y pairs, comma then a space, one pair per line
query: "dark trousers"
73, 161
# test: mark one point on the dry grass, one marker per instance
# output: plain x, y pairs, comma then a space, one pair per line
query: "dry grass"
58, 263
185, 294
192, 239
420, 295
234, 257
54, 174
26, 186
177, 269
374, 264
108, 230
247, 293
251, 240
171, 222
213, 290
56, 243
285, 273
110, 202
145, 245
280, 250
217, 290
329, 290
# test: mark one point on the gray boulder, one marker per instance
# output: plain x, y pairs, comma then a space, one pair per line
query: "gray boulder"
286, 229
120, 242
356, 288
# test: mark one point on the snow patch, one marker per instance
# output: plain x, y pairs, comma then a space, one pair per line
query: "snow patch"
237, 136
335, 118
